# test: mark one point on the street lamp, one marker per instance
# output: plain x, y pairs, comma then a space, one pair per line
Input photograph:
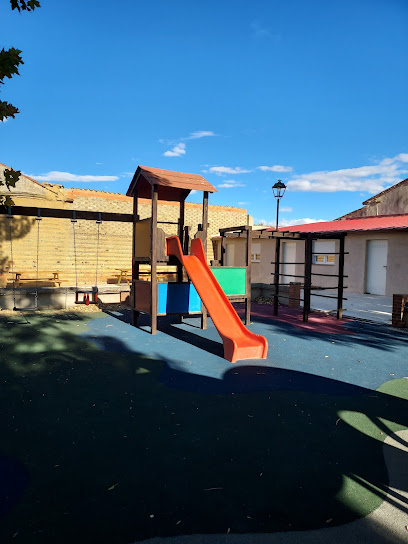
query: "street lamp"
278, 192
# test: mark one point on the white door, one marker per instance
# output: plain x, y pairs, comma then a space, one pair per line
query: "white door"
376, 272
229, 255
288, 256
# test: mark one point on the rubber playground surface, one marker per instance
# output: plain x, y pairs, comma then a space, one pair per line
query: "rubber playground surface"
110, 434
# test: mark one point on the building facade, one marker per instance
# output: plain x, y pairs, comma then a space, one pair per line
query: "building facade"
376, 246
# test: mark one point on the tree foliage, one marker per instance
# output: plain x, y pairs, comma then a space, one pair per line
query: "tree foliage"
30, 5
10, 61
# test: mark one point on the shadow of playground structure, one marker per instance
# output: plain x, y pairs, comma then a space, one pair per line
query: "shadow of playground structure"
120, 447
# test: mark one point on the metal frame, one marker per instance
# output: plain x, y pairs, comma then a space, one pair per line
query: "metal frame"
244, 231
307, 276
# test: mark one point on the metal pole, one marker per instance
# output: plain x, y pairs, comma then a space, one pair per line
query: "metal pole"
277, 213
276, 277
340, 287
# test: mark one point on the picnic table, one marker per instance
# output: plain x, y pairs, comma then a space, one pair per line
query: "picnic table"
123, 274
18, 281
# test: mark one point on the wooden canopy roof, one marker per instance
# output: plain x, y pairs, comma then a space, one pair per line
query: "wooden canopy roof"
172, 186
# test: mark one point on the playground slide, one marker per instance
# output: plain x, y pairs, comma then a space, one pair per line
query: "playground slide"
239, 343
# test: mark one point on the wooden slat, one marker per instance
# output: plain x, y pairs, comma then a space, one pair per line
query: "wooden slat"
68, 214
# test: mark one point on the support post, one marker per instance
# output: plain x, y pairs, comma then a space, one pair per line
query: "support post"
204, 240
276, 278
186, 240
180, 234
153, 261
135, 266
248, 276
340, 287
308, 276
223, 249
205, 220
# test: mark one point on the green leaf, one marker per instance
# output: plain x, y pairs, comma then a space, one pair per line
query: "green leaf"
6, 200
11, 177
9, 61
30, 5
7, 110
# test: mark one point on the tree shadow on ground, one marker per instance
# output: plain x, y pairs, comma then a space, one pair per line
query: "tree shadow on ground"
116, 450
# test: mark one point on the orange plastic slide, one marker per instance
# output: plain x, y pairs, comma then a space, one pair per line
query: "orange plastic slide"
239, 342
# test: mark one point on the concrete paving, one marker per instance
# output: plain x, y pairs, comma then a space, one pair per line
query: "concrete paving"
369, 307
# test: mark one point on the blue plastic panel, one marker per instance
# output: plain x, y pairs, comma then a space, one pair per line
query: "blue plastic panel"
178, 298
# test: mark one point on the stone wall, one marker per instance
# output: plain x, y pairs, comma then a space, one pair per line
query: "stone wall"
393, 200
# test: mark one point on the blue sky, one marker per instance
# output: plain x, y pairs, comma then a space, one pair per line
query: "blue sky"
243, 92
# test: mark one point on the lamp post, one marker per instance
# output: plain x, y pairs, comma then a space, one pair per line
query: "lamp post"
278, 192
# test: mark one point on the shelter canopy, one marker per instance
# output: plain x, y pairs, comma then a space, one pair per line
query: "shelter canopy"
172, 186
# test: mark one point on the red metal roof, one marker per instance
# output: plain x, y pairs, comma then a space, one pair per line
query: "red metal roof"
378, 222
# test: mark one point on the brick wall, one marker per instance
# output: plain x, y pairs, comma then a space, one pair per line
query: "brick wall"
56, 241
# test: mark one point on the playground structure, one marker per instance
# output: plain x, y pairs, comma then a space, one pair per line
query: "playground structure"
181, 297
304, 272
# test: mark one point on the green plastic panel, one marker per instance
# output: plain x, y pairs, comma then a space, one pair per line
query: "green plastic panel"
232, 280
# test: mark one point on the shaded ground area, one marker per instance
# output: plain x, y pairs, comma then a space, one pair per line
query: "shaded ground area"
110, 434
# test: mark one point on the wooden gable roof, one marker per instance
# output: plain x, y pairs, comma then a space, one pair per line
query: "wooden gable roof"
172, 186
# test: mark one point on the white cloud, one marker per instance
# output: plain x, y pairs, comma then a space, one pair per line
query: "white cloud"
275, 168
262, 222
370, 179
222, 170
258, 30
288, 222
303, 221
67, 177
177, 151
4, 120
286, 209
200, 134
231, 184
179, 148
242, 203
